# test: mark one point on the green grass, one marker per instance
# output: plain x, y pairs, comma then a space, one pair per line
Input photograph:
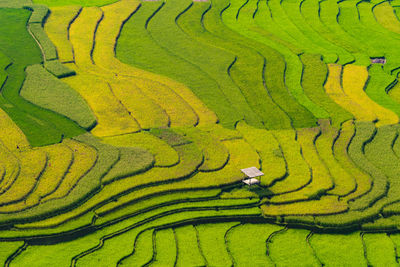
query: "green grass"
179, 102
113, 116
132, 161
216, 155
57, 26
364, 132
344, 182
334, 89
349, 217
4, 62
244, 73
137, 55
290, 247
383, 223
328, 12
228, 175
310, 12
171, 137
121, 232
143, 250
38, 14
179, 203
270, 152
32, 165
68, 194
327, 205
188, 253
338, 249
254, 250
57, 69
46, 91
173, 99
164, 155
62, 253
380, 250
367, 207
165, 248
106, 215
385, 14
276, 78
298, 171
314, 76
119, 105
341, 153
374, 31
396, 241
293, 64
299, 27
221, 133
354, 80
348, 19
40, 126
255, 103
284, 14
114, 249
243, 192
396, 8
212, 243
190, 157
88, 181
14, 4
197, 203
394, 92
321, 179
391, 209
159, 199
378, 86
59, 160
380, 152
308, 21
11, 167
150, 54
396, 146
8, 248
48, 49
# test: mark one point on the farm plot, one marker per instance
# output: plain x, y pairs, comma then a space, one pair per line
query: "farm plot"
40, 126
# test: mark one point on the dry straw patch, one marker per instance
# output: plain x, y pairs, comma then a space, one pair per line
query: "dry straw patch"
354, 80
334, 90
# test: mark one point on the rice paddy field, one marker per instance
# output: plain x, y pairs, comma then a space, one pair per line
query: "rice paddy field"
125, 125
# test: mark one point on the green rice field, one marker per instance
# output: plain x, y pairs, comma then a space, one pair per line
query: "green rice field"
125, 125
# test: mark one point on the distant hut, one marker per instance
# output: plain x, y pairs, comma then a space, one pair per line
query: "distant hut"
378, 60
252, 174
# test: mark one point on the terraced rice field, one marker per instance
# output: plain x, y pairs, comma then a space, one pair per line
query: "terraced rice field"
125, 123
